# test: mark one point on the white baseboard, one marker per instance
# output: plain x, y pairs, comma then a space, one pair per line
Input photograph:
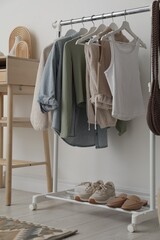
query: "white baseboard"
35, 185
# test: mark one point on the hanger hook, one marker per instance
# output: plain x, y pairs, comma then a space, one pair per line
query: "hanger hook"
71, 23
92, 20
83, 21
59, 28
54, 24
112, 16
125, 13
103, 18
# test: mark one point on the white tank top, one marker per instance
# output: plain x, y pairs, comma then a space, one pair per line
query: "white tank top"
124, 80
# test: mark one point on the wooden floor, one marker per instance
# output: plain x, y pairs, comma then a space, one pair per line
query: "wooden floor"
92, 223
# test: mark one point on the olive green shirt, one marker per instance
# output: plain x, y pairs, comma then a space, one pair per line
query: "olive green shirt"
73, 76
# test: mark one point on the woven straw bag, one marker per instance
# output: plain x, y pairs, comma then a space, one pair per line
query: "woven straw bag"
153, 110
24, 33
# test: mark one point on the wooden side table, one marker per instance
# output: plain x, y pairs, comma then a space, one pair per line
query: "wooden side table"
18, 78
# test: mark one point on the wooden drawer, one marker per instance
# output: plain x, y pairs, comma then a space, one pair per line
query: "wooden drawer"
17, 89
19, 71
3, 76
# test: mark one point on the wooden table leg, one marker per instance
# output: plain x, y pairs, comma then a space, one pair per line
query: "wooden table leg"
9, 145
1, 141
47, 158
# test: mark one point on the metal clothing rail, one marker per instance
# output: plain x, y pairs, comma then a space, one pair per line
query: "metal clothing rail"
103, 16
137, 217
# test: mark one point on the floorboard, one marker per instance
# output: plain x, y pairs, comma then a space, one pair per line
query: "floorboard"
92, 223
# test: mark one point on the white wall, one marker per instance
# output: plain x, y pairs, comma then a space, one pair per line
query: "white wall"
126, 160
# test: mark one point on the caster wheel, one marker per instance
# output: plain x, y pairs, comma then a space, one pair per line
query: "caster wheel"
33, 206
131, 228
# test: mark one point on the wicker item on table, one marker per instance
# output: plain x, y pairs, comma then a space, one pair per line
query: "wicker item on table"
22, 50
24, 33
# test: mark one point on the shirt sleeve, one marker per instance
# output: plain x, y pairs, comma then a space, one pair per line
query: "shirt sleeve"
47, 92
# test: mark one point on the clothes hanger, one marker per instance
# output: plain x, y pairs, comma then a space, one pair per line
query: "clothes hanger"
83, 31
86, 37
71, 31
111, 27
125, 26
91, 30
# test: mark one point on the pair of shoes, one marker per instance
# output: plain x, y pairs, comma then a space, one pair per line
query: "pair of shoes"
84, 190
126, 202
96, 193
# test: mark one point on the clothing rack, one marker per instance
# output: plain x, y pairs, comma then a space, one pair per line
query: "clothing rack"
103, 16
137, 217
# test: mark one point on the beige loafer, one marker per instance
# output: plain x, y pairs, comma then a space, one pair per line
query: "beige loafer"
117, 201
133, 202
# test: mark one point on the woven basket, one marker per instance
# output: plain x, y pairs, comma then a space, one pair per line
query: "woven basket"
25, 35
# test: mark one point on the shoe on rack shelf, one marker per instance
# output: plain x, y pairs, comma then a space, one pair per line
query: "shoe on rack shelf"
103, 193
83, 191
133, 202
117, 201
126, 202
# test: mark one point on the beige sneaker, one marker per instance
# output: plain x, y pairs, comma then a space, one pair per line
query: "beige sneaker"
85, 190
103, 193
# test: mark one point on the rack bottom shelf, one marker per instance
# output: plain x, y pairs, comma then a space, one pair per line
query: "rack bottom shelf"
142, 215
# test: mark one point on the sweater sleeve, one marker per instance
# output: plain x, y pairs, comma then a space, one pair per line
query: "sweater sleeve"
38, 119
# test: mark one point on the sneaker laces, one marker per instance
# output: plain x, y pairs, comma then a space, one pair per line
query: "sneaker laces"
101, 188
104, 187
97, 184
110, 185
94, 186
